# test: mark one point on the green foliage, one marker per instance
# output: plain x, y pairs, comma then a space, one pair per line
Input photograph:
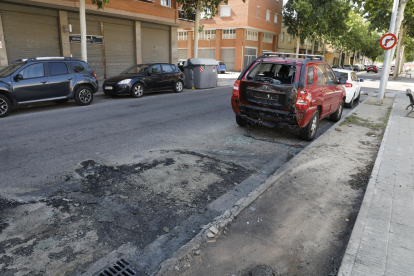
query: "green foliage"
210, 6
100, 3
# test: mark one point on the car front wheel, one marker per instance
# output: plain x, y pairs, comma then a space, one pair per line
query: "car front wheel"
137, 90
240, 121
83, 95
178, 86
309, 131
5, 106
336, 116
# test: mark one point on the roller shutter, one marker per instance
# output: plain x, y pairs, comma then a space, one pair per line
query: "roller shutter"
206, 53
30, 35
119, 48
182, 53
228, 56
155, 45
94, 51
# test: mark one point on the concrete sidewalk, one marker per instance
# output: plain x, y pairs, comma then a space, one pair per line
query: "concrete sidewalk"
382, 241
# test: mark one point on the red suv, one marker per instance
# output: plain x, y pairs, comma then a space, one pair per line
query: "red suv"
276, 91
372, 68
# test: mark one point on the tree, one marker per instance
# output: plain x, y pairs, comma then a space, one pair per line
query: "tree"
196, 6
100, 3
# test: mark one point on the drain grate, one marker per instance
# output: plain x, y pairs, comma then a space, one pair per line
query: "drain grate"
120, 268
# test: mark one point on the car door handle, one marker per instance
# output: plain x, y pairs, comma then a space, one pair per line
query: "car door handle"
44, 82
70, 79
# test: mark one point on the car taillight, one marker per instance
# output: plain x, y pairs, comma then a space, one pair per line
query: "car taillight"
236, 88
95, 75
347, 84
303, 100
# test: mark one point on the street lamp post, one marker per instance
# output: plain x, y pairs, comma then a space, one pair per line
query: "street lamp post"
209, 48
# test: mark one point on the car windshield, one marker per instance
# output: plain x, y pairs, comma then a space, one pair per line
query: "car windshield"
138, 69
5, 72
273, 73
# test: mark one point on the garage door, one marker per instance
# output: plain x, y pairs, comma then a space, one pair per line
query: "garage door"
227, 56
30, 35
182, 53
206, 53
94, 51
119, 48
155, 45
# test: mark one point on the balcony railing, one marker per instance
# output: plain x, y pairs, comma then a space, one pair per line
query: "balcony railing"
182, 15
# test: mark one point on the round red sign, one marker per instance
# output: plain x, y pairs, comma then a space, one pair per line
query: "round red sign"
388, 41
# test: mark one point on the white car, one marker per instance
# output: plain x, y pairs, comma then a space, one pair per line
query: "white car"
352, 85
392, 70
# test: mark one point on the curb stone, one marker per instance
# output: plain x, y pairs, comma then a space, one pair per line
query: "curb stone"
221, 222
349, 257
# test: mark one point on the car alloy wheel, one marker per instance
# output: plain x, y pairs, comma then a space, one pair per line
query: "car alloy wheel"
4, 107
314, 125
178, 86
85, 96
138, 91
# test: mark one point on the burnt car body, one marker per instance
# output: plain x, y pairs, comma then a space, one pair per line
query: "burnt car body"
276, 91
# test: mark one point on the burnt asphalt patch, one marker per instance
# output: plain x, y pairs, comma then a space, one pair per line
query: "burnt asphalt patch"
101, 207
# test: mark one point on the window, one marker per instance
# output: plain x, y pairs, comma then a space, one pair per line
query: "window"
275, 19
166, 3
57, 68
289, 38
257, 12
166, 68
310, 76
155, 69
282, 38
205, 13
225, 11
229, 34
208, 33
273, 73
321, 75
183, 35
82, 68
268, 15
252, 35
33, 71
330, 76
340, 75
268, 38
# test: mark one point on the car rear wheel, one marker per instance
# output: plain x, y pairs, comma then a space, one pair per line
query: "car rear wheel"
336, 116
309, 131
359, 96
178, 86
5, 106
137, 90
350, 104
83, 95
240, 121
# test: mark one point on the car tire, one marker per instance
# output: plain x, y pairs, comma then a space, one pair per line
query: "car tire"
350, 104
336, 116
83, 95
178, 87
62, 101
137, 90
5, 106
240, 121
309, 131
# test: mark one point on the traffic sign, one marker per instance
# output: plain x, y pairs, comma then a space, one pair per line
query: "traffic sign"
388, 41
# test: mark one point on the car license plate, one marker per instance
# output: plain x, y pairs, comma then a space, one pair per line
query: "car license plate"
108, 87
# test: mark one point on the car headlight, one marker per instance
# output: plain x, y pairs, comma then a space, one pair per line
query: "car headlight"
125, 81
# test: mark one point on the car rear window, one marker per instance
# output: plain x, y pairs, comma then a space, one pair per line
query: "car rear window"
221, 63
167, 68
57, 68
273, 73
341, 75
82, 68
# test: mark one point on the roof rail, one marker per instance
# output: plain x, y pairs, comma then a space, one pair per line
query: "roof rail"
51, 58
277, 54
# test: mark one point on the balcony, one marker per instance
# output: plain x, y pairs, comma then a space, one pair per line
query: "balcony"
186, 16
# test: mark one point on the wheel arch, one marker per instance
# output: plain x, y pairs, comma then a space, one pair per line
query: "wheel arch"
8, 96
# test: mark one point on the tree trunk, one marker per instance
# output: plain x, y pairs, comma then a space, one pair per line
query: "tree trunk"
196, 27
323, 51
340, 57
297, 44
313, 45
398, 57
355, 56
402, 59
306, 45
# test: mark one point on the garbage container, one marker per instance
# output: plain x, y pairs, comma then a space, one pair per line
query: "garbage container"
200, 73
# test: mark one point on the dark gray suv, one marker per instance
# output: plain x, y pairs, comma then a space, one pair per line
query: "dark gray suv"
46, 79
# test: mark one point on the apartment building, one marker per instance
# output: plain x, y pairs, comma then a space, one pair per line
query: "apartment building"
237, 34
125, 33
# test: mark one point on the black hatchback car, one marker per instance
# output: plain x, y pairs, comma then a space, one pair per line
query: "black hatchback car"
46, 79
143, 78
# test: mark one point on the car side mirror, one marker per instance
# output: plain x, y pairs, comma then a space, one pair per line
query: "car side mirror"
18, 77
361, 80
342, 81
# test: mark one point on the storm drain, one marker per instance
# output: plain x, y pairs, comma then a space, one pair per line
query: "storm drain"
120, 268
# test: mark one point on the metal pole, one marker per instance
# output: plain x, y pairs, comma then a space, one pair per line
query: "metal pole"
387, 61
196, 27
82, 17
209, 48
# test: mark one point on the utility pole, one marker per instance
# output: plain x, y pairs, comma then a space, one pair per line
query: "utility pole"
196, 27
82, 17
387, 58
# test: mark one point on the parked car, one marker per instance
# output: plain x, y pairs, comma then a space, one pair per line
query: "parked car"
221, 67
336, 66
365, 67
380, 66
348, 67
142, 78
358, 67
180, 64
392, 68
352, 85
280, 91
372, 68
42, 79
